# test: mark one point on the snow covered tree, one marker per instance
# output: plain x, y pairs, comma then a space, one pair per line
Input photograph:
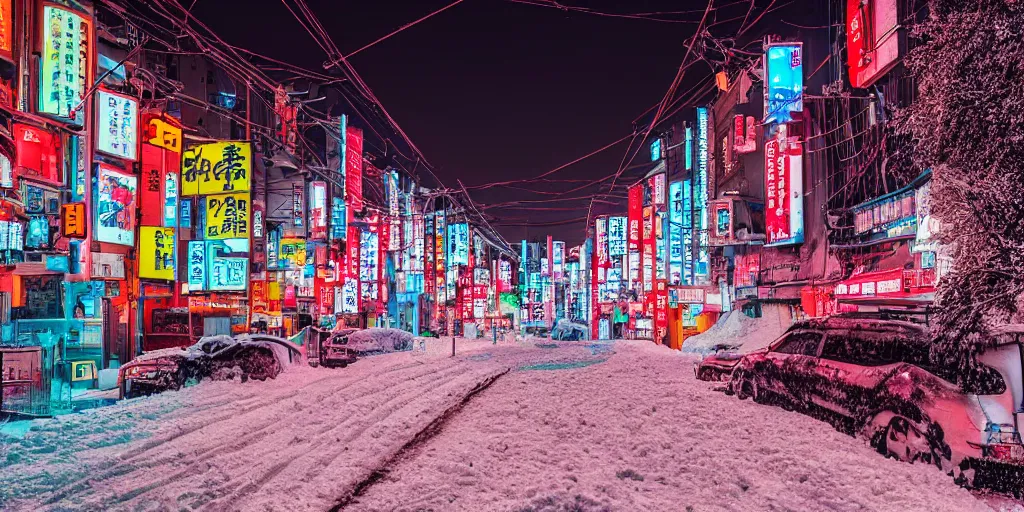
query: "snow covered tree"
967, 124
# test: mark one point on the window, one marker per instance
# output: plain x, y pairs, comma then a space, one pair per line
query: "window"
800, 343
866, 348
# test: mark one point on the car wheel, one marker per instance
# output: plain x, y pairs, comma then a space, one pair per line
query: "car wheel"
901, 440
259, 365
743, 386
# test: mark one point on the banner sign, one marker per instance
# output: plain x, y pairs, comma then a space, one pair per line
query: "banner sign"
634, 211
216, 168
115, 206
701, 187
156, 253
196, 265
601, 248
354, 168
783, 190
616, 236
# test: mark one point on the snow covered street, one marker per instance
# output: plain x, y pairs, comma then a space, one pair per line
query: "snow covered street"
527, 426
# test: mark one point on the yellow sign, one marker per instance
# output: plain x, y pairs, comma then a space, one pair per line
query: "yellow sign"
156, 253
161, 133
216, 168
292, 254
227, 216
83, 370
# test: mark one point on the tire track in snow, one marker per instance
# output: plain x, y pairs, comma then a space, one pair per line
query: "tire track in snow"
330, 393
233, 443
259, 406
358, 423
429, 431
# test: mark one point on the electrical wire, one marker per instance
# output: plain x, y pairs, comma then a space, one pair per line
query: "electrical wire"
407, 25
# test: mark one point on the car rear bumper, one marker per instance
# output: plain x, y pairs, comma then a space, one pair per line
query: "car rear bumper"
996, 475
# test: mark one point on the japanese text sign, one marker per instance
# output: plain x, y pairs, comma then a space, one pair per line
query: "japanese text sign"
216, 168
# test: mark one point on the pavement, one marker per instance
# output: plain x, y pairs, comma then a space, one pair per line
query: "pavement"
521, 425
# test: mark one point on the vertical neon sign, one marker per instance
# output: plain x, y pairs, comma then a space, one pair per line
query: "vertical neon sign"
700, 198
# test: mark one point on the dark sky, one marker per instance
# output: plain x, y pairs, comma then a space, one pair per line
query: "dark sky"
490, 90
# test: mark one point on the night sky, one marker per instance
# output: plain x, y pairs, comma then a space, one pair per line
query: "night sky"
492, 90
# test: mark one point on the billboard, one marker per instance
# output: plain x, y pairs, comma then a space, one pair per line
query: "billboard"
37, 153
218, 265
872, 39
783, 172
73, 220
558, 260
721, 221
216, 168
318, 210
115, 206
156, 253
64, 77
117, 130
784, 82
226, 216
369, 263
458, 244
675, 232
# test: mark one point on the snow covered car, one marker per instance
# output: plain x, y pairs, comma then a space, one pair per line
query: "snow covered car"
334, 349
376, 340
256, 356
874, 378
719, 366
566, 330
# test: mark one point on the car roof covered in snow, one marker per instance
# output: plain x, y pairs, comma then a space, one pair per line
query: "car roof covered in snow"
840, 322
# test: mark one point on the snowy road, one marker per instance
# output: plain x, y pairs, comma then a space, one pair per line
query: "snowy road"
525, 427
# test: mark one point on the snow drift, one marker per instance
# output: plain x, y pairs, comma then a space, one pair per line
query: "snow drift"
737, 331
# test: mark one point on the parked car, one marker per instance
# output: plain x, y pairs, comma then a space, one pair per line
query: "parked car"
334, 349
875, 378
567, 330
718, 366
253, 356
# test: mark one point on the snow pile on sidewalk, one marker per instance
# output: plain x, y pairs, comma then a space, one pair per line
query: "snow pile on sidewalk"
737, 331
638, 432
